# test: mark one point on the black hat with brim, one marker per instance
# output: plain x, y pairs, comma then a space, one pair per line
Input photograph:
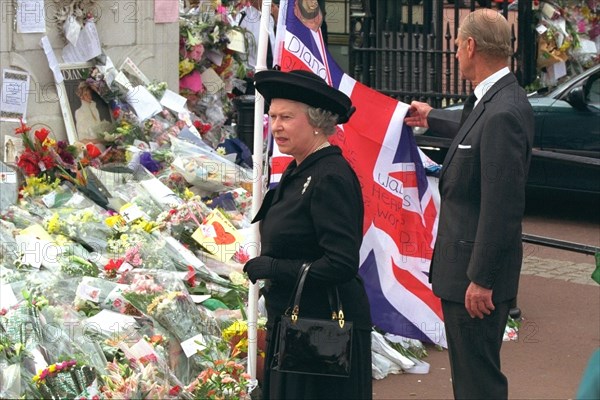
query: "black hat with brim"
304, 87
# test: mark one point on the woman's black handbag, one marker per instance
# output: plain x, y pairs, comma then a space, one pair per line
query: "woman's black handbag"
313, 346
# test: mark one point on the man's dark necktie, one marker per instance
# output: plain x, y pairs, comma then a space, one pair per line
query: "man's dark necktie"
468, 107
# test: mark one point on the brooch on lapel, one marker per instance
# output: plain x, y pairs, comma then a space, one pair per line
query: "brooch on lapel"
306, 184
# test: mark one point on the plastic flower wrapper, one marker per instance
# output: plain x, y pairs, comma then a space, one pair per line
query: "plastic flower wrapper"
142, 288
205, 277
20, 217
133, 193
17, 368
174, 181
8, 246
22, 323
136, 248
67, 336
126, 131
9, 275
22, 333
95, 294
205, 169
135, 379
224, 378
85, 226
183, 220
74, 265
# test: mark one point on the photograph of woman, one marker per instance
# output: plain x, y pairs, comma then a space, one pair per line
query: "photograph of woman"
314, 215
88, 120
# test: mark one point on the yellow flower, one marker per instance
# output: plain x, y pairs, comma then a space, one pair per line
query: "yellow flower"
185, 67
49, 142
115, 220
88, 216
235, 329
565, 46
53, 224
147, 226
52, 368
188, 194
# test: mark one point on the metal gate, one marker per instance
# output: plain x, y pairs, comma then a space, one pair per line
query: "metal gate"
405, 48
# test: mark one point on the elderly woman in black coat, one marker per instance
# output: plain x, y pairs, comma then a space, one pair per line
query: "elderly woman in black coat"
315, 215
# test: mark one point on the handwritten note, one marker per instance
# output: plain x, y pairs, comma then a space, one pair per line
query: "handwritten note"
31, 16
15, 89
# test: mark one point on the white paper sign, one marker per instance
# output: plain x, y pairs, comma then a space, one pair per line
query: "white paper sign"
199, 298
131, 213
31, 247
193, 345
7, 296
88, 292
143, 102
134, 73
15, 89
8, 177
173, 101
212, 81
52, 61
87, 47
125, 267
31, 16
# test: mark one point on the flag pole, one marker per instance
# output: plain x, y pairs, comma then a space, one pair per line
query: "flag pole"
257, 186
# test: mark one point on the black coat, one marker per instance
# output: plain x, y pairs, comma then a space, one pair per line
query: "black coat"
482, 189
315, 215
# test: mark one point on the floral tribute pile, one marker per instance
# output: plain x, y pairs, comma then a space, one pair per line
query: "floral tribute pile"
121, 262
569, 33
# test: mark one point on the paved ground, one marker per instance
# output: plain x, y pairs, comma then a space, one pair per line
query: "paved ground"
560, 329
563, 270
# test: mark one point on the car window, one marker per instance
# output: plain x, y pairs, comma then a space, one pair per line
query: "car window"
592, 91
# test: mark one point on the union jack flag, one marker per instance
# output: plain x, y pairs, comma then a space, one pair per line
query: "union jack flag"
401, 203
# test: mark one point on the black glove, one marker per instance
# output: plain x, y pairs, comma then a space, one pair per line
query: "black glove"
261, 267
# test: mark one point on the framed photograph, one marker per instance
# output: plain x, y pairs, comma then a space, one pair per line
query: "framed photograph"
85, 113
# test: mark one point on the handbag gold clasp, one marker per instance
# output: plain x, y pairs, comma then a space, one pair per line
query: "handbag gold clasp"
341, 318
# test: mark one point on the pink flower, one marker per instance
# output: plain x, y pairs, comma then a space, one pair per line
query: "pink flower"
195, 54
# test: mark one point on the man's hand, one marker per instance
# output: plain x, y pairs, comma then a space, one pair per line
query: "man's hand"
417, 114
478, 301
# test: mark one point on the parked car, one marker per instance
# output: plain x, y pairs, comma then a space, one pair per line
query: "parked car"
566, 146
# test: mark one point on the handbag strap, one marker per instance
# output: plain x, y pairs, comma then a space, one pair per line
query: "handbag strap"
337, 313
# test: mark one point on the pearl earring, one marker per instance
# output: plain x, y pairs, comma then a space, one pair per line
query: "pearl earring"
316, 132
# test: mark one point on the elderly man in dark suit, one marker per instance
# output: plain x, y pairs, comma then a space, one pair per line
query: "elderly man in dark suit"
478, 251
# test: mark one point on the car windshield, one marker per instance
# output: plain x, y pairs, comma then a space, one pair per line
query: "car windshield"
559, 90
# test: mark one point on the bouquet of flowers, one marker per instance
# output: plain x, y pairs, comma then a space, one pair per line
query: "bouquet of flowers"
133, 247
205, 169
134, 379
85, 226
224, 379
64, 380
